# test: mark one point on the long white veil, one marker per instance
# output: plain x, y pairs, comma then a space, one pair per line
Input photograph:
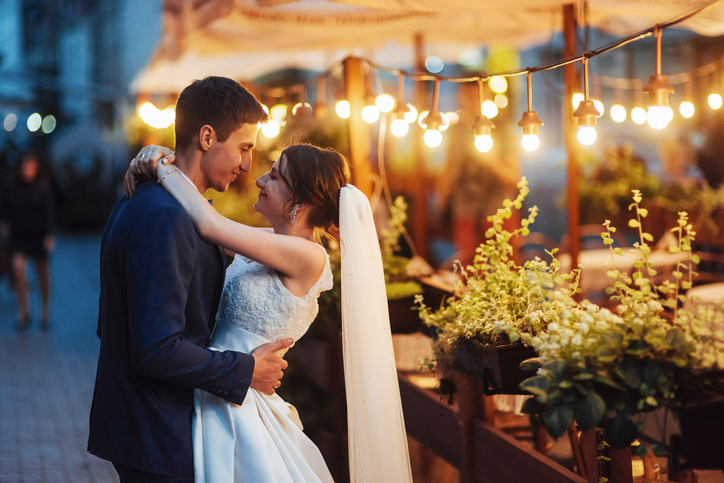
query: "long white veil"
377, 439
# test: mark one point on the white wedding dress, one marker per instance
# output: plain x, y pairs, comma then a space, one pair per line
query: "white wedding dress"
261, 440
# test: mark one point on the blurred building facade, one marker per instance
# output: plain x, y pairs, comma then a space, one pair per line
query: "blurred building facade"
68, 64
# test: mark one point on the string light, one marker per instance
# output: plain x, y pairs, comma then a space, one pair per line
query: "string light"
434, 120
715, 100
586, 113
498, 84
530, 122
399, 125
638, 113
686, 108
659, 113
618, 112
385, 102
483, 126
342, 109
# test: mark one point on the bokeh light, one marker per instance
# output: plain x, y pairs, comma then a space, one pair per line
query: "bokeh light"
34, 122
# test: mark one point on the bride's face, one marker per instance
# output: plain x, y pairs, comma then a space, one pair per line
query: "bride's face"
274, 196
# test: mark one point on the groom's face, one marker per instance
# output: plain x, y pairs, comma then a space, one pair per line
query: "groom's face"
224, 161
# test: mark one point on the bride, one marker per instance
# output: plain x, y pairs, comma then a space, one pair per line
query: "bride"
270, 293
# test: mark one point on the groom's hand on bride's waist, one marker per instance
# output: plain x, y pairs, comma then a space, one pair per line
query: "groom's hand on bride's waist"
268, 366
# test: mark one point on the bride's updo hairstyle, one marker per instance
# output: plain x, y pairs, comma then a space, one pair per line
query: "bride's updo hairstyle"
314, 177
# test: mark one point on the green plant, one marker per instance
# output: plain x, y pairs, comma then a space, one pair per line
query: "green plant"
601, 368
398, 283
498, 301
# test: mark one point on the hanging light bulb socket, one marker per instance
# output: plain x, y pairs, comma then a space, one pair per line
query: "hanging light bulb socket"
586, 111
658, 87
482, 126
401, 107
530, 122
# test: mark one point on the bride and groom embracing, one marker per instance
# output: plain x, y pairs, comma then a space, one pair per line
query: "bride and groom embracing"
185, 393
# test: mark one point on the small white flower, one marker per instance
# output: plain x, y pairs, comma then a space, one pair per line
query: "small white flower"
576, 340
583, 327
553, 327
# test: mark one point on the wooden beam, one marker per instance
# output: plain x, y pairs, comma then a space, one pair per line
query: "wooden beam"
571, 86
359, 135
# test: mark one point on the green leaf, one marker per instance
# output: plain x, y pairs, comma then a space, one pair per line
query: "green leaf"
634, 223
651, 401
531, 364
674, 249
648, 237
606, 354
588, 411
537, 385
556, 419
643, 212
618, 251
675, 337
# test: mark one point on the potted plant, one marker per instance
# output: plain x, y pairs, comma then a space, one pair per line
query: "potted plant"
603, 368
485, 328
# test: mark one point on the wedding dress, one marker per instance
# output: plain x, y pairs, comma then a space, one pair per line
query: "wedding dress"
262, 439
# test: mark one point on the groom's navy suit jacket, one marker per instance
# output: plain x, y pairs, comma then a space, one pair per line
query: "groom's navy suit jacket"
160, 289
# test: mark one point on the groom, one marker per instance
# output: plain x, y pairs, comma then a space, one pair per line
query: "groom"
160, 288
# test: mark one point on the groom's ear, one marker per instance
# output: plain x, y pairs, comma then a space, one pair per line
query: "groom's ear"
207, 136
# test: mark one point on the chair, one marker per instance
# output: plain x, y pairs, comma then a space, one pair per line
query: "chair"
590, 238
710, 267
534, 245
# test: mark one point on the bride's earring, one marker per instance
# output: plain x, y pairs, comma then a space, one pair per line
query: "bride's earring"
293, 215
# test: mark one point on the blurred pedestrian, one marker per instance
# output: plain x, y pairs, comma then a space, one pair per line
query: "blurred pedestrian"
26, 212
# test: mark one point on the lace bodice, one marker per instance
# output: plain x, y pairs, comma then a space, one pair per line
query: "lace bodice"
254, 299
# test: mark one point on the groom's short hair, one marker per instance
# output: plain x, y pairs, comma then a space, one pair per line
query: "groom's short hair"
220, 102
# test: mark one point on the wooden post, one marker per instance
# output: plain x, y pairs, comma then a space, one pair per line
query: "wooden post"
359, 136
571, 82
472, 407
419, 218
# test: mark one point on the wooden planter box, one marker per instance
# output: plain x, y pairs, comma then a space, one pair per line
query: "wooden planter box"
497, 367
404, 318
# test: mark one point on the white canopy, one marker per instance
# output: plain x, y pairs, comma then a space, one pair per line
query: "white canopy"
245, 39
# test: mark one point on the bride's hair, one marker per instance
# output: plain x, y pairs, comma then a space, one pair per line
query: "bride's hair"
314, 177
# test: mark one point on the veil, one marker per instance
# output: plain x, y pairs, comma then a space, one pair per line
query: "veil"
377, 439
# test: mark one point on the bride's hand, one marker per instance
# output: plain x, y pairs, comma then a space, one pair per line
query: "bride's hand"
144, 166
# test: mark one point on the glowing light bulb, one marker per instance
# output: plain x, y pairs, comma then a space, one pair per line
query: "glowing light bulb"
453, 117
576, 99
587, 135
686, 109
271, 129
715, 101
498, 84
278, 112
385, 102
411, 115
302, 109
659, 117
34, 122
432, 137
342, 109
484, 143
370, 114
599, 106
399, 127
49, 124
10, 121
501, 100
638, 115
489, 109
618, 113
530, 142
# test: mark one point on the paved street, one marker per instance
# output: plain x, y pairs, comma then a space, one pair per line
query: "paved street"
46, 378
